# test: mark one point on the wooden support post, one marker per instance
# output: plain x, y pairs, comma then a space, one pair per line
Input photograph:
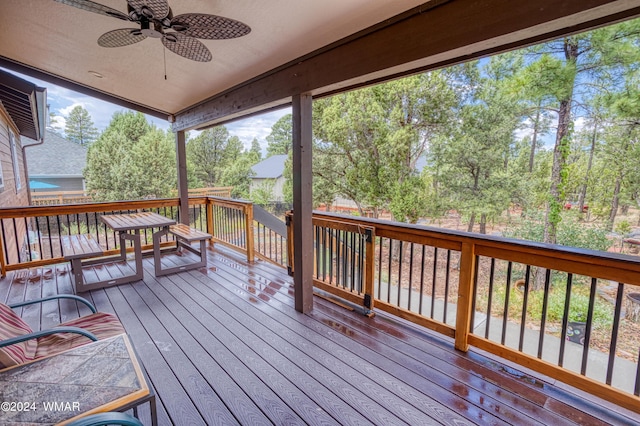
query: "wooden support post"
210, 227
370, 267
289, 222
302, 203
183, 188
248, 218
465, 295
3, 264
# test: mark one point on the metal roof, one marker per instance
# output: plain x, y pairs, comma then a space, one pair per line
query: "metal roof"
25, 103
270, 168
56, 157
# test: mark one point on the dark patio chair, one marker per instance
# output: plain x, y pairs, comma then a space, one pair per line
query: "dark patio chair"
104, 419
20, 344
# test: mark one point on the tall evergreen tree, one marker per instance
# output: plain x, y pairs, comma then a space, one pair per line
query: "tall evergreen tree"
371, 139
79, 127
565, 71
211, 152
131, 160
256, 149
281, 137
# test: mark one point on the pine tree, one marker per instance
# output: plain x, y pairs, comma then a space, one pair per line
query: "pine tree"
79, 127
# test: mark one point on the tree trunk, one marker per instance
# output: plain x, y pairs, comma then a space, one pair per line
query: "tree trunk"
552, 216
614, 203
583, 191
472, 221
534, 141
560, 152
483, 223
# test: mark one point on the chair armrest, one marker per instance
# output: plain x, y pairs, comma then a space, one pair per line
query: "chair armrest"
107, 419
42, 333
57, 296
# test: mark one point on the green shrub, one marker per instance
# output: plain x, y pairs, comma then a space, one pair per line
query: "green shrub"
571, 232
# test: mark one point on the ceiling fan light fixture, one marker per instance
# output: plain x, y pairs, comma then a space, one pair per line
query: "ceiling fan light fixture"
155, 17
146, 30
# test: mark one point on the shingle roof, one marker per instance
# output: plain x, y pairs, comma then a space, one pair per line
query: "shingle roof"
270, 168
56, 157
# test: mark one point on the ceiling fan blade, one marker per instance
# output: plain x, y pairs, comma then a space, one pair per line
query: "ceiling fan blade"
210, 27
159, 8
95, 8
186, 46
121, 37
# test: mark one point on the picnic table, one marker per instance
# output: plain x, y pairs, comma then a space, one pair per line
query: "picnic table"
128, 226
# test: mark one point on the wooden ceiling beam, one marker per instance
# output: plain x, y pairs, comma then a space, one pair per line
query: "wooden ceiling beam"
439, 33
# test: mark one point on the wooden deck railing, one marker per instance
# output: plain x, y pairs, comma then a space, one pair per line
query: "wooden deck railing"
31, 236
553, 309
47, 198
557, 310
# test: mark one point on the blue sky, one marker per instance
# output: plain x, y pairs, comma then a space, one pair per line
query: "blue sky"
61, 101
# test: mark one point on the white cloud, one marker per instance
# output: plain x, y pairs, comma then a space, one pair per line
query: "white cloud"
258, 127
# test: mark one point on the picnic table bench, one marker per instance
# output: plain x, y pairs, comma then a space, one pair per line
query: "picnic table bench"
185, 236
76, 248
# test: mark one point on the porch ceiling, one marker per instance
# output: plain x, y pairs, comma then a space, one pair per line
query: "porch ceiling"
62, 40
293, 47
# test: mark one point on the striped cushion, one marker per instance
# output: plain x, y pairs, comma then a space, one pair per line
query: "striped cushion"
11, 325
101, 324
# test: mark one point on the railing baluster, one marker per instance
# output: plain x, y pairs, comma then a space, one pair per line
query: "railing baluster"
401, 255
492, 270
636, 388
15, 233
565, 319
316, 243
331, 256
587, 336
26, 228
433, 282
525, 305
389, 272
545, 305
352, 236
48, 233
473, 292
505, 313
39, 236
446, 286
422, 264
614, 332
325, 253
410, 275
380, 244
4, 242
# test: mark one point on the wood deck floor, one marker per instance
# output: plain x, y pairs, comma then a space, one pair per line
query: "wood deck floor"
225, 346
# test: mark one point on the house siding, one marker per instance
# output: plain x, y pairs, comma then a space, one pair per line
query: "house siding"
10, 196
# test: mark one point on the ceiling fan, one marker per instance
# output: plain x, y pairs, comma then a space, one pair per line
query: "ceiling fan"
179, 34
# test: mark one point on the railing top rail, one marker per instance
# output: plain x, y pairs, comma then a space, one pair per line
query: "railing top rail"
230, 202
262, 216
31, 211
502, 247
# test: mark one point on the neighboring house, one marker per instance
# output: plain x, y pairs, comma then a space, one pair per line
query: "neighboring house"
56, 165
22, 117
270, 171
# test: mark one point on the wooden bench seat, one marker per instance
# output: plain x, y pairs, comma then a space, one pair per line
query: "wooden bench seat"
87, 257
185, 235
75, 249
